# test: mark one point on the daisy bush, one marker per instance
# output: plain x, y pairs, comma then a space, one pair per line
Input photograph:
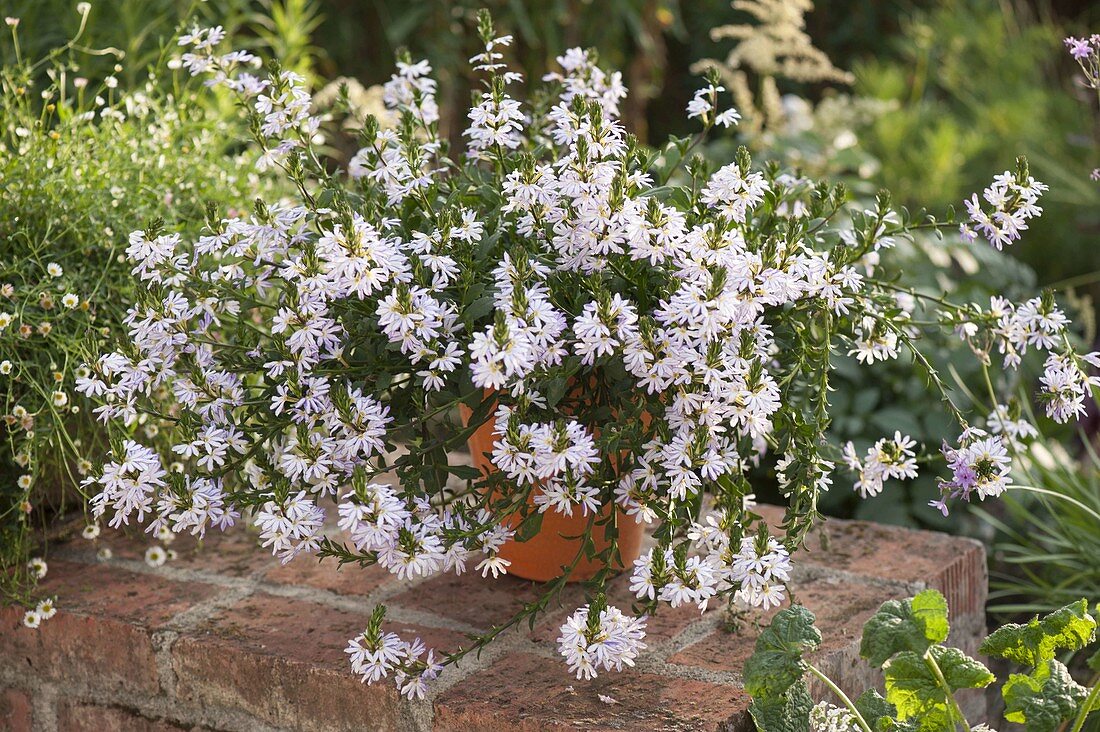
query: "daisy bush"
82, 162
641, 332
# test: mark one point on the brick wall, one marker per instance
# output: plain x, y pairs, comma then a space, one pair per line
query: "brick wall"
223, 638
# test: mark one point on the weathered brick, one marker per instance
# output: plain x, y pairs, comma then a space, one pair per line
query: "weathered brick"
231, 554
530, 693
473, 600
75, 716
953, 565
102, 633
327, 575
16, 711
840, 609
282, 660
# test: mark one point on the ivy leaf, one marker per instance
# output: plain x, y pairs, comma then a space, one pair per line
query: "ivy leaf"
912, 688
1043, 699
789, 712
1071, 628
873, 707
905, 625
776, 664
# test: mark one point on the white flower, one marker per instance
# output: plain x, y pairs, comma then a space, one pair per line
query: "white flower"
46, 608
54, 269
32, 619
608, 641
156, 556
825, 717
90, 532
70, 300
37, 567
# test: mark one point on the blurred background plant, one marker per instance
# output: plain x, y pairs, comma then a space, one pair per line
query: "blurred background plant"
84, 160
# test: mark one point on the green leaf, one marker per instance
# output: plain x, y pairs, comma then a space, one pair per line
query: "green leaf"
905, 625
529, 527
960, 671
912, 688
1094, 661
873, 707
1043, 699
889, 724
776, 664
1071, 628
789, 712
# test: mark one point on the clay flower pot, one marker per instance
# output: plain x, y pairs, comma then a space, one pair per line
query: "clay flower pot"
542, 557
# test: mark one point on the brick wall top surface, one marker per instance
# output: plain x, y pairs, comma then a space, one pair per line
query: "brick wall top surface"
224, 638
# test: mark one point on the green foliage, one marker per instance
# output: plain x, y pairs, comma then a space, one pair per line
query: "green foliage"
1044, 698
969, 79
916, 690
1045, 548
905, 639
1069, 628
83, 162
905, 625
777, 662
788, 711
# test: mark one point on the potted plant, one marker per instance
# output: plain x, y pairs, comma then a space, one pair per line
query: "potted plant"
622, 335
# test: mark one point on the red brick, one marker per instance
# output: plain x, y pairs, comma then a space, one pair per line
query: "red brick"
102, 633
105, 591
955, 566
234, 553
83, 717
16, 711
350, 579
530, 693
98, 651
841, 608
282, 660
476, 601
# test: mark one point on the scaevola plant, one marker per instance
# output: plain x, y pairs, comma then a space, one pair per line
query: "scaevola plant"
641, 332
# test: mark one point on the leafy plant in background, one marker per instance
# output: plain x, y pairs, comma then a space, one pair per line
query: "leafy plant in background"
825, 139
775, 46
1045, 548
83, 161
134, 32
905, 640
971, 78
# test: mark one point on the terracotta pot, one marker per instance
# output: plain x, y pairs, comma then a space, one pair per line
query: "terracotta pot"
542, 557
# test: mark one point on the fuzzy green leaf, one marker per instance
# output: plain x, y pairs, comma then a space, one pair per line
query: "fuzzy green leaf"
905, 625
1070, 628
912, 688
889, 724
960, 671
1043, 699
874, 707
789, 712
777, 663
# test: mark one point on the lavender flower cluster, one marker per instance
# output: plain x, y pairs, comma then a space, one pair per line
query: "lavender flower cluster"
634, 343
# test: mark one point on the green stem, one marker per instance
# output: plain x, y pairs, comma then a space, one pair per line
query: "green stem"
842, 696
956, 712
1056, 494
1090, 700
